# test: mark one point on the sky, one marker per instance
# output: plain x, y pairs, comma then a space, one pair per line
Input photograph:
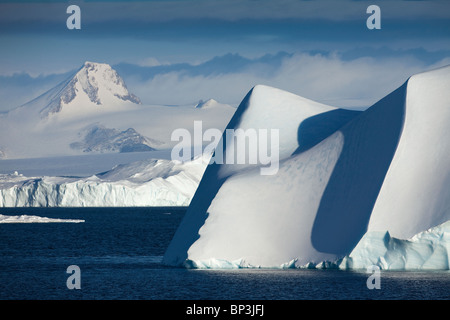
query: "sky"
321, 50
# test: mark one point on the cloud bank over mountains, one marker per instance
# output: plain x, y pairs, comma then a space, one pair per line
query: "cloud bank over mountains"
351, 79
178, 52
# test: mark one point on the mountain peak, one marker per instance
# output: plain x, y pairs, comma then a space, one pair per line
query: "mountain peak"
95, 77
96, 84
206, 104
90, 63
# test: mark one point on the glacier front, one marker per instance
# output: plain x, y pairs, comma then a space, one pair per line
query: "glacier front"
346, 180
142, 183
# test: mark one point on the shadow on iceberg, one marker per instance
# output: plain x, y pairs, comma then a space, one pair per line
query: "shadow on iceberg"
319, 127
370, 142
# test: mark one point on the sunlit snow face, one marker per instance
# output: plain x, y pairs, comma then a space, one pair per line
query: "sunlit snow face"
243, 148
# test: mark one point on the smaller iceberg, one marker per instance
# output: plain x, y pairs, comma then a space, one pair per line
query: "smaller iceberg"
427, 250
35, 219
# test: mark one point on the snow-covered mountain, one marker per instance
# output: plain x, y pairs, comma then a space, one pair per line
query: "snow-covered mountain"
93, 85
97, 138
210, 103
378, 177
93, 111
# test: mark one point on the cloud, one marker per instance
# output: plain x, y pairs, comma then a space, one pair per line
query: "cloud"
325, 78
227, 10
35, 38
334, 78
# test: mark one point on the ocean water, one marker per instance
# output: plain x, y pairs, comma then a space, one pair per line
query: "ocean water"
119, 253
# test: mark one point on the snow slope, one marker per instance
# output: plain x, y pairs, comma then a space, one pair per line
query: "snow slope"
340, 175
142, 183
416, 190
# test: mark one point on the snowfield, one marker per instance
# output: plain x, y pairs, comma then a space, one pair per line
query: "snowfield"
352, 190
141, 183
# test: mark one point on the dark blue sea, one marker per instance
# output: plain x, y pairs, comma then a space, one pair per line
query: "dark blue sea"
119, 253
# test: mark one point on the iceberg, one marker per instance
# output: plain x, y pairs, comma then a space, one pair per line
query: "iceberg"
35, 219
142, 183
426, 250
344, 177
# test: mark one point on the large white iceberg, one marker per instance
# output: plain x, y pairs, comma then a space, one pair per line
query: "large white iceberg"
141, 183
342, 176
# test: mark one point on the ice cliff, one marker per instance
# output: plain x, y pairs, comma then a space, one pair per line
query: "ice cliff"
141, 183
